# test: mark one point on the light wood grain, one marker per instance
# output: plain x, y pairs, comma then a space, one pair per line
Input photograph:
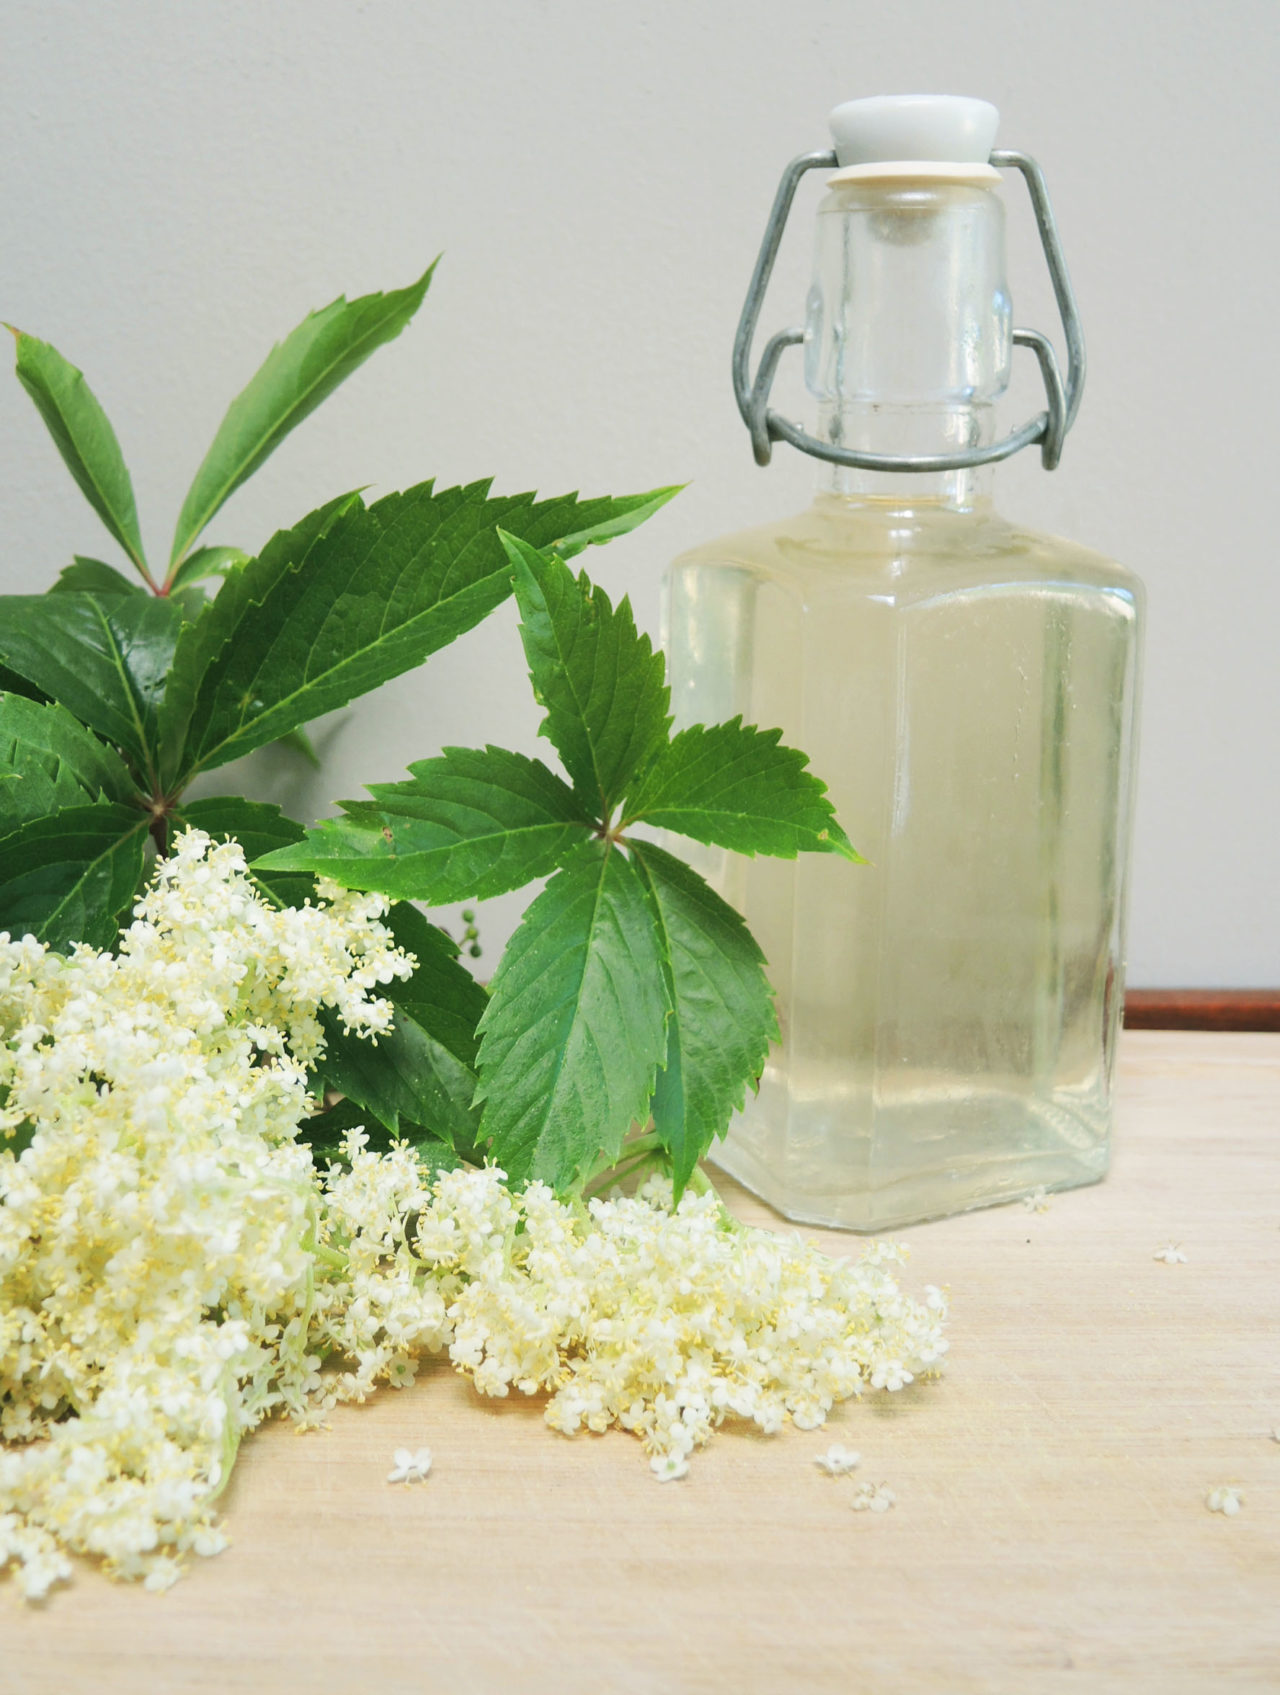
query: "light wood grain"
1050, 1531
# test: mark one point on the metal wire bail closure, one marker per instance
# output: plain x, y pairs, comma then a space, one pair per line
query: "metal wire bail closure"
1049, 427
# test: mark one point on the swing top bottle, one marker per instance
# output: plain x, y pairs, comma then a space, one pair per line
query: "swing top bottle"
966, 687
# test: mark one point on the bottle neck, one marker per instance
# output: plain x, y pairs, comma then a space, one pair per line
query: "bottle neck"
908, 336
908, 430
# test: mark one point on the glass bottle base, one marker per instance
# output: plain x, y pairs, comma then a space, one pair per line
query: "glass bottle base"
939, 1149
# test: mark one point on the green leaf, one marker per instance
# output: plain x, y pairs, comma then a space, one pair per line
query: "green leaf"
190, 600
50, 761
15, 1138
259, 828
207, 562
353, 596
469, 825
627, 512
576, 1024
732, 785
202, 642
299, 742
324, 1131
93, 576
423, 1072
83, 437
599, 679
257, 825
12, 683
106, 659
442, 995
296, 376
723, 1018
72, 877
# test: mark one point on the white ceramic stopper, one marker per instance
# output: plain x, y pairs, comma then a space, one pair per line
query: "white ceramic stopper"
939, 128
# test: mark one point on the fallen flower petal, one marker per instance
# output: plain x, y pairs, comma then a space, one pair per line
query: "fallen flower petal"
837, 1460
1225, 1499
410, 1467
874, 1498
667, 1467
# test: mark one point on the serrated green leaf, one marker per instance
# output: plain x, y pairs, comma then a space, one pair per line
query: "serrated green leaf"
734, 786
84, 438
295, 377
422, 1073
378, 590
93, 576
576, 1023
12, 683
72, 877
472, 824
105, 658
203, 640
257, 825
722, 1019
628, 512
299, 742
324, 1132
190, 600
207, 562
598, 677
50, 761
442, 995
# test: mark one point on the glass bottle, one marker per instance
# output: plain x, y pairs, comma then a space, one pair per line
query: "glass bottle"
968, 690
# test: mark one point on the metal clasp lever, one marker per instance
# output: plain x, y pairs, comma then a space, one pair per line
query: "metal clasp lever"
1049, 427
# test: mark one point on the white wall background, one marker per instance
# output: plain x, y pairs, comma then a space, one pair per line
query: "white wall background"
183, 181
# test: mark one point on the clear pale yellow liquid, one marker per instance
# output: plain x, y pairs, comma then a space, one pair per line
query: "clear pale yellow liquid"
949, 1010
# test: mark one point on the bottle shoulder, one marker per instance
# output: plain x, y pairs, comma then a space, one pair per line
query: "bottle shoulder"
838, 545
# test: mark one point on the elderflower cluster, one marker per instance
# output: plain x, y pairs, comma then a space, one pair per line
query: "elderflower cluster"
377, 1309
663, 1322
157, 1219
624, 1311
173, 1268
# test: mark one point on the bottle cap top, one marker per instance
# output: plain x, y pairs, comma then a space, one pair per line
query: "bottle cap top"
926, 128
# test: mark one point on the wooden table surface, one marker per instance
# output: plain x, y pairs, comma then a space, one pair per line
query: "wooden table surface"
1050, 1531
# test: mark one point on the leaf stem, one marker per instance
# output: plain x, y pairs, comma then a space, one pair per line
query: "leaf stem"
160, 807
148, 579
701, 1184
167, 586
642, 1151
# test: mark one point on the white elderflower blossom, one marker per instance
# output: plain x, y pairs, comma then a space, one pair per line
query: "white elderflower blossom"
157, 1218
410, 1467
873, 1497
837, 1460
891, 1375
1171, 1254
1225, 1499
663, 1322
1037, 1200
668, 1467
